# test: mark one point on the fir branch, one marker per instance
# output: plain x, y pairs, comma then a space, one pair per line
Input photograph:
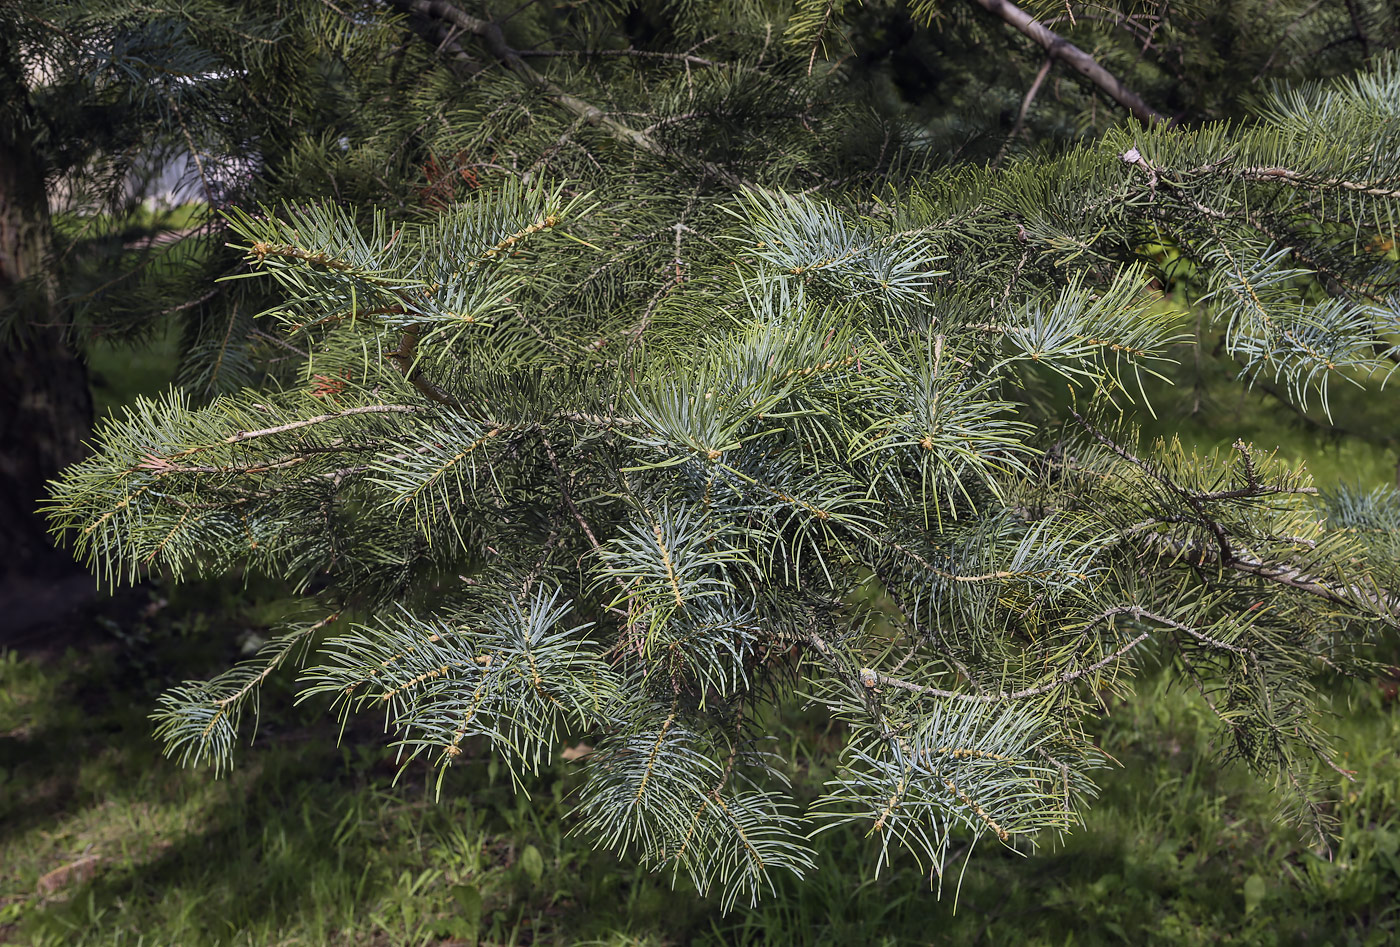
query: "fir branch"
241, 436
490, 33
870, 678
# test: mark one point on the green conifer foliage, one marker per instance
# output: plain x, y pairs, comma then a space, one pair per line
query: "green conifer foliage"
584, 454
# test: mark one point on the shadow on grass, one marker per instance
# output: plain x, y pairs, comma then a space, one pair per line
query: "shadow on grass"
250, 864
307, 843
291, 839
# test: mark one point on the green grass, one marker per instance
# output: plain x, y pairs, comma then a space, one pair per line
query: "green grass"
143, 221
1359, 443
119, 371
309, 843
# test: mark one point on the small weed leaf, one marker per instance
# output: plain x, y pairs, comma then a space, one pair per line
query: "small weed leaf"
1254, 892
532, 863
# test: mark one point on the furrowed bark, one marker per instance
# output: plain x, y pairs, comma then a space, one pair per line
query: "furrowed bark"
45, 404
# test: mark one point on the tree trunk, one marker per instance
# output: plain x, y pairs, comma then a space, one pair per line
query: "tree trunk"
45, 404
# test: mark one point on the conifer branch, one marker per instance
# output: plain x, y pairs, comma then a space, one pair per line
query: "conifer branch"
240, 436
491, 34
1021, 114
687, 58
819, 393
871, 678
1384, 601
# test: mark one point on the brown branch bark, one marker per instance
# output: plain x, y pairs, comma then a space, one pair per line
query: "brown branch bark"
406, 358
1057, 47
1384, 601
242, 436
686, 58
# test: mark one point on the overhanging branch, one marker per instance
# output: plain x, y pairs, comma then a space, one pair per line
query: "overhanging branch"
1057, 47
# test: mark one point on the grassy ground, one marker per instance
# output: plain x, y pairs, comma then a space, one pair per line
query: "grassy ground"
1356, 442
104, 842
